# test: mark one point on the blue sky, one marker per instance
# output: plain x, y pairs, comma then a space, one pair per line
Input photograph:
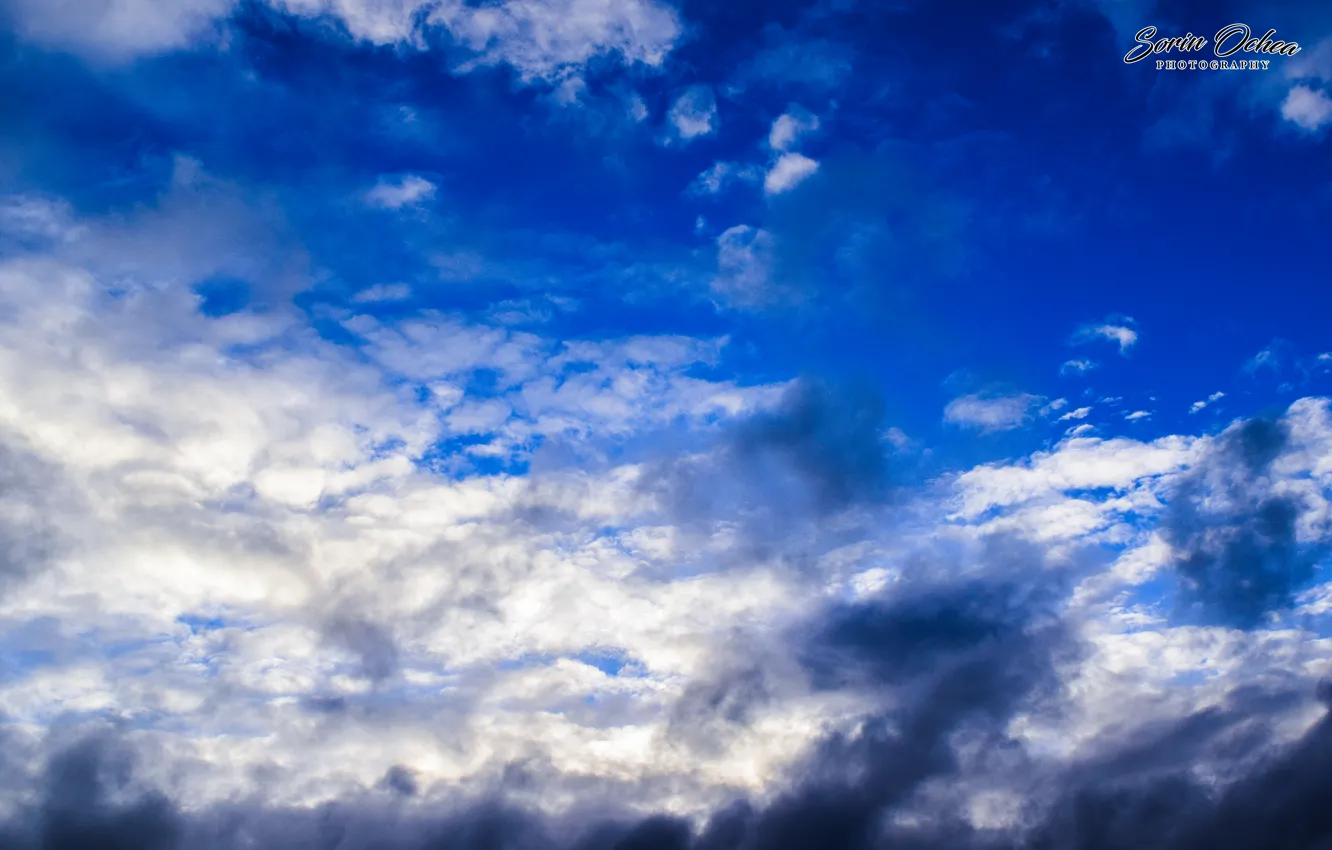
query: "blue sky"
657, 398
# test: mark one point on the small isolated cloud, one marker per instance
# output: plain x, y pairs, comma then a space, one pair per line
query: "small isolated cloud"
1117, 329
1080, 413
744, 266
383, 292
1079, 430
1137, 414
637, 109
787, 172
988, 412
1077, 367
789, 127
694, 113
1307, 108
715, 180
396, 194
1207, 402
1272, 358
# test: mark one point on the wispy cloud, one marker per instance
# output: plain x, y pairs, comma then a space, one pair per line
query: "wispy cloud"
990, 412
694, 113
1118, 330
1307, 108
1199, 406
1077, 367
392, 194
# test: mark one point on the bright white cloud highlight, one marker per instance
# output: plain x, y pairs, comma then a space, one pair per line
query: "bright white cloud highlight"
789, 127
541, 39
1120, 332
391, 194
1307, 108
1199, 406
787, 172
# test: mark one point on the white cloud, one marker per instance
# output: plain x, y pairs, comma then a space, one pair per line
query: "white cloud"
222, 486
1137, 414
404, 191
1077, 367
1198, 406
1307, 108
694, 113
787, 172
1119, 331
373, 21
383, 292
117, 29
990, 413
540, 39
789, 127
715, 179
1079, 413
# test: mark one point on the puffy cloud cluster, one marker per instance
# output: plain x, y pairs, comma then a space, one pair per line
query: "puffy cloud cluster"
545, 40
262, 589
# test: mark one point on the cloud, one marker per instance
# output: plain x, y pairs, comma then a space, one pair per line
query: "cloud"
1273, 358
1137, 414
1117, 330
989, 412
745, 261
1234, 537
1199, 406
383, 292
787, 172
117, 29
405, 191
694, 113
406, 579
715, 180
1307, 108
543, 40
1079, 413
789, 127
1077, 367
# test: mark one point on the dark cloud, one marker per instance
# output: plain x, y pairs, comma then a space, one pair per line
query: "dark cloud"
374, 648
1280, 805
820, 453
1234, 535
29, 531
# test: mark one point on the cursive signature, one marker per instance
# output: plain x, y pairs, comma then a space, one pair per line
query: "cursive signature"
1227, 42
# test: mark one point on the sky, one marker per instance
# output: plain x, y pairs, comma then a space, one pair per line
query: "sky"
656, 425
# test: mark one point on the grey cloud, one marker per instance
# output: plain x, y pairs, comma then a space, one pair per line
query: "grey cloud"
1233, 533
